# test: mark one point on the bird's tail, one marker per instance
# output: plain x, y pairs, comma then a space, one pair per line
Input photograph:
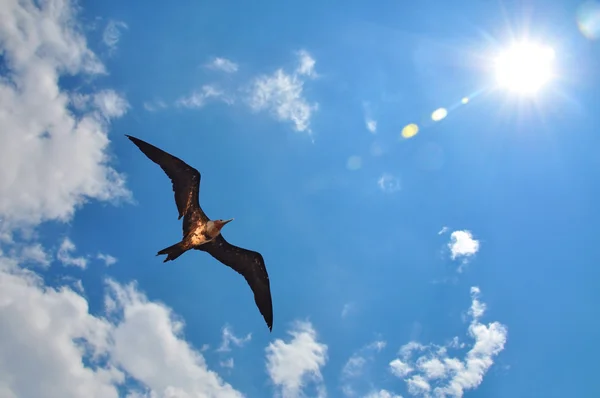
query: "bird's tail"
172, 252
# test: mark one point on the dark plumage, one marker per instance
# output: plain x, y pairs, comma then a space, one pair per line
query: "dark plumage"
201, 233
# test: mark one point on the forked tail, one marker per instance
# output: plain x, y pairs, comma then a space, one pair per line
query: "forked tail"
172, 252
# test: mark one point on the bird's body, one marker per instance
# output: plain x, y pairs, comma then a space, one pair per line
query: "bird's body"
201, 233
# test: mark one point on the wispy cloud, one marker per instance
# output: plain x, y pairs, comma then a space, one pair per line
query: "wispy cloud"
282, 94
222, 64
200, 98
112, 34
64, 255
110, 104
34, 253
443, 230
228, 337
107, 258
292, 365
355, 369
347, 309
156, 105
434, 371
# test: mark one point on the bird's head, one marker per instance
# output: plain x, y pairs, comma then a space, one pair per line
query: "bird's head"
219, 224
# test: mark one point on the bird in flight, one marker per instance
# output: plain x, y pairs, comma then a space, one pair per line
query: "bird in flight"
202, 233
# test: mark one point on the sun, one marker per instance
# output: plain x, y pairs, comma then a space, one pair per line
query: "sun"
525, 67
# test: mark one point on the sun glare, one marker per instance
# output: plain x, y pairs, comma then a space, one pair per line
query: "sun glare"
525, 67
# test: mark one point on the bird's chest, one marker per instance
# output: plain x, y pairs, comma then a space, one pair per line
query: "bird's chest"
199, 236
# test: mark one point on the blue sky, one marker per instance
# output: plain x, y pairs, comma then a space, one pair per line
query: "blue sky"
461, 261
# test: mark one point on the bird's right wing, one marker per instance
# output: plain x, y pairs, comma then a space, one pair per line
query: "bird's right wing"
251, 266
185, 179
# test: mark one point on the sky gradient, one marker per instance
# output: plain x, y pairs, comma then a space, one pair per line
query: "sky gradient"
453, 257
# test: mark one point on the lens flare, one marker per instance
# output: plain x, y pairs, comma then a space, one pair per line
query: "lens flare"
588, 19
410, 130
439, 114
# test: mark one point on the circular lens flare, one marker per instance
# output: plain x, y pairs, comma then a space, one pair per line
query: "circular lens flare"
525, 67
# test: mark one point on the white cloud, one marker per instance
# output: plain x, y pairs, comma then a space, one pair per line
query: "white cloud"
112, 34
435, 372
162, 361
54, 335
282, 95
107, 258
39, 327
64, 255
229, 337
462, 245
291, 365
371, 125
443, 230
199, 98
57, 158
222, 64
389, 183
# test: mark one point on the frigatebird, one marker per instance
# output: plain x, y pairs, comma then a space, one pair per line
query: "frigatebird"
202, 233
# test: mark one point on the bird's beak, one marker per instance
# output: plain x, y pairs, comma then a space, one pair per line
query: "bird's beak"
227, 221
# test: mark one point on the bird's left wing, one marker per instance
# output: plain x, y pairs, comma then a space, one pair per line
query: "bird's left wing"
251, 266
185, 178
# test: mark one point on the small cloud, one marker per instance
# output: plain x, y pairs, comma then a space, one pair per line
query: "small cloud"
443, 230
200, 97
107, 258
112, 34
223, 65
292, 364
156, 105
64, 255
371, 125
388, 183
282, 95
462, 245
306, 64
229, 337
